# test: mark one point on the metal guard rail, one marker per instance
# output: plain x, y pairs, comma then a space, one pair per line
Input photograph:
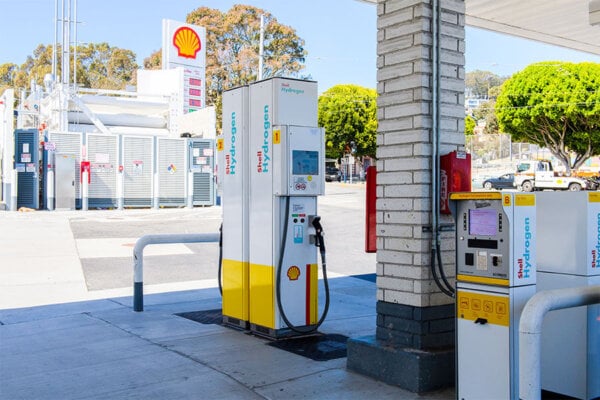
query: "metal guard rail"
138, 257
530, 331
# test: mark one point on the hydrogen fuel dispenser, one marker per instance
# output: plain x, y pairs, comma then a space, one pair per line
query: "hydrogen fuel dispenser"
568, 256
496, 275
272, 170
232, 152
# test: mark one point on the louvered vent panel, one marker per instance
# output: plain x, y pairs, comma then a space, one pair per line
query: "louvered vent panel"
102, 153
137, 170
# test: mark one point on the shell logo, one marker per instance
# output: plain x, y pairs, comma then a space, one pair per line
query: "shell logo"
293, 273
187, 42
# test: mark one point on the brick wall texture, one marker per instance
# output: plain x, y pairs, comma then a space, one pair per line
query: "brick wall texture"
405, 67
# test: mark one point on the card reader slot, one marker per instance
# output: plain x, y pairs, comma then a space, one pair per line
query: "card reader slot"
482, 244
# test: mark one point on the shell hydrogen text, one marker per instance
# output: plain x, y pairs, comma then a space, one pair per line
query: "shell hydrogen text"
263, 154
230, 161
524, 263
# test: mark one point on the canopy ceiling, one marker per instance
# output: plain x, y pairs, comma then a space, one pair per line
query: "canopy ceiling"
563, 23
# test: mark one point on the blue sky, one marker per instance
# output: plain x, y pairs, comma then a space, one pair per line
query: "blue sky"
340, 35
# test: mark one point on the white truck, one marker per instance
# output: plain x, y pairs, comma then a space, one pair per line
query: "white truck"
539, 175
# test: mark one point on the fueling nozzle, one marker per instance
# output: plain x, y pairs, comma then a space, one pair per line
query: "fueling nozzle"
311, 230
315, 221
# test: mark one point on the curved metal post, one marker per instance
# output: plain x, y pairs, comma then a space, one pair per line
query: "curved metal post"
138, 257
530, 331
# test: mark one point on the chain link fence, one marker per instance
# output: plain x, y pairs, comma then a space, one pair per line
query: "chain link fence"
495, 155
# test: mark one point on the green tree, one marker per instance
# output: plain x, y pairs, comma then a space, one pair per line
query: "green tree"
99, 66
349, 114
36, 66
153, 61
486, 112
469, 125
232, 49
7, 75
479, 83
555, 105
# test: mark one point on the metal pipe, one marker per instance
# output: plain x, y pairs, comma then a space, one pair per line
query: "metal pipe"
62, 52
50, 189
85, 176
68, 44
190, 189
14, 190
138, 257
54, 49
434, 123
156, 191
75, 46
530, 331
261, 48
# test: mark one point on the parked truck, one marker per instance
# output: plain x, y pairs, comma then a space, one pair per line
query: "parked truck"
540, 175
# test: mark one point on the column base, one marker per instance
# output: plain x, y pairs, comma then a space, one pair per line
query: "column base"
411, 369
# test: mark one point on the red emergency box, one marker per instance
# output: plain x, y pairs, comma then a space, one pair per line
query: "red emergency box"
455, 176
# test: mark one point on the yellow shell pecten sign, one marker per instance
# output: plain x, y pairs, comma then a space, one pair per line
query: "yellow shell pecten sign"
187, 42
293, 273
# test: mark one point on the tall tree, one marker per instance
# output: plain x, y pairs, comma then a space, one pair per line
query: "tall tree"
99, 66
479, 83
349, 115
7, 75
153, 61
487, 112
232, 49
555, 105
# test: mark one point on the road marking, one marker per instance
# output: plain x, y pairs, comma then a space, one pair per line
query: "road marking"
123, 247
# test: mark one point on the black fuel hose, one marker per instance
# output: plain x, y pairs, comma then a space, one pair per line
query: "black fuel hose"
220, 273
319, 243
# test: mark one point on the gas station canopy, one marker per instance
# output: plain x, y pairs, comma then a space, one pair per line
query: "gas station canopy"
574, 24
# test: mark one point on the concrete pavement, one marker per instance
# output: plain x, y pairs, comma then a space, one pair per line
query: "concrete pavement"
61, 339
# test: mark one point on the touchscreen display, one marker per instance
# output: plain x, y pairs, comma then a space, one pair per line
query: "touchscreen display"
483, 222
305, 162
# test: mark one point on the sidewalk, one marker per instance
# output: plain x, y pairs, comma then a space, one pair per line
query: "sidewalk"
60, 341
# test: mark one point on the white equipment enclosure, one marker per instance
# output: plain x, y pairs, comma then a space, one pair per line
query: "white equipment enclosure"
232, 151
496, 275
568, 251
272, 172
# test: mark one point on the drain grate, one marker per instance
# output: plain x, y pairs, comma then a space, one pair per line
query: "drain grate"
206, 317
317, 348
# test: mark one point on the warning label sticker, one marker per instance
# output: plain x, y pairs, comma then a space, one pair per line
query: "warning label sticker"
494, 309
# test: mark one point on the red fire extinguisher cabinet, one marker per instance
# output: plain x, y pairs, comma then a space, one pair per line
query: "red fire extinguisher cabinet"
455, 176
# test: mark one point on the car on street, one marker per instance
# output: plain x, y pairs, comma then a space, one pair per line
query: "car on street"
505, 181
332, 174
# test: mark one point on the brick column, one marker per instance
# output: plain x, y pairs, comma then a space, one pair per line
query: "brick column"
414, 343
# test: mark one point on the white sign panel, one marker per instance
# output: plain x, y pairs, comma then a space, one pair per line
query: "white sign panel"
184, 45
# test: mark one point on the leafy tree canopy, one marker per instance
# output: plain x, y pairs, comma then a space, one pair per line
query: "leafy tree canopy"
480, 83
487, 112
555, 105
349, 114
469, 125
232, 49
7, 75
99, 66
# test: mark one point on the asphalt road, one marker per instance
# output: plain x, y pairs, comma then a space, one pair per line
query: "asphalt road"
105, 241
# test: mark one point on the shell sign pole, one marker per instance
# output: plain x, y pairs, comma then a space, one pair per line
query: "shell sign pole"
184, 46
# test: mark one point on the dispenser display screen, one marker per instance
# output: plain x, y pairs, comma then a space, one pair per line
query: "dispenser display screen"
483, 222
305, 162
